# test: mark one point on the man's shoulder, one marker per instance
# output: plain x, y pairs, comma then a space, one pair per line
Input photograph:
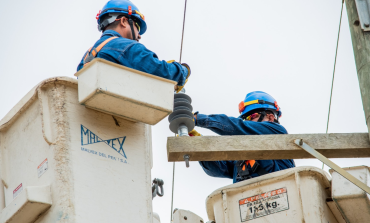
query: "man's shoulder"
276, 127
122, 42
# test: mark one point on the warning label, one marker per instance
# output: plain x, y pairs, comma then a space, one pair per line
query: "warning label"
42, 168
263, 204
17, 191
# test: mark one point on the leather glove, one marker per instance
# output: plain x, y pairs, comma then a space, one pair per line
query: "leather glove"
187, 67
179, 88
194, 133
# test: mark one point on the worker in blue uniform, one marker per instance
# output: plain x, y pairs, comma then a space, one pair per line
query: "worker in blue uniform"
259, 115
122, 25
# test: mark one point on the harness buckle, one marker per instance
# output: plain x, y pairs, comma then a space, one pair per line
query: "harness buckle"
89, 58
243, 172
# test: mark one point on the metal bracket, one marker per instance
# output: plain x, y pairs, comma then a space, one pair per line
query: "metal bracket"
363, 7
332, 165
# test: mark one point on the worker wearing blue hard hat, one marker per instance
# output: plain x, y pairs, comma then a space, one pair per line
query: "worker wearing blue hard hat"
122, 25
259, 115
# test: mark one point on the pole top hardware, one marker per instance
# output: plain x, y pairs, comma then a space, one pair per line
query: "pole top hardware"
363, 9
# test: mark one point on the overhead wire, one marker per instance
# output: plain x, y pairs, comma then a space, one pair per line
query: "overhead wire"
183, 30
335, 63
173, 168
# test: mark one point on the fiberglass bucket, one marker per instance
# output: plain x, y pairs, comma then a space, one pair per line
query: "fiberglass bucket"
63, 162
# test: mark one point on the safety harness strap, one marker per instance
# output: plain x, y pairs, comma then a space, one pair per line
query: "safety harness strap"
243, 172
92, 52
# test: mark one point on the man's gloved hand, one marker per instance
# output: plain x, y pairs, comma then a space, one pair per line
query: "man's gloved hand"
194, 133
187, 67
179, 88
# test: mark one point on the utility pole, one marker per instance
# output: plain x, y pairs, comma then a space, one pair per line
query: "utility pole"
359, 24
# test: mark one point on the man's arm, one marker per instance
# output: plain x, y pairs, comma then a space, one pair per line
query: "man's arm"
223, 169
224, 125
140, 58
81, 64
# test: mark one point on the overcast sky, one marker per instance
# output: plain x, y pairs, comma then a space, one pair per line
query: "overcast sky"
285, 48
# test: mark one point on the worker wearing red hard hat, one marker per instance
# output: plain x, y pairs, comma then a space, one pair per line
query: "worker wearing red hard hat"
259, 115
122, 25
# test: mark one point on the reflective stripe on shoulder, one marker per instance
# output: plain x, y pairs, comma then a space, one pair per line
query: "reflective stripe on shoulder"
92, 52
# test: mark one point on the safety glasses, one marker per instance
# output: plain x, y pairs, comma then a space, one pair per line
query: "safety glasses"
137, 26
252, 116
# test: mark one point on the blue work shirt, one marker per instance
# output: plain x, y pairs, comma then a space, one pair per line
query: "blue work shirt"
135, 55
224, 125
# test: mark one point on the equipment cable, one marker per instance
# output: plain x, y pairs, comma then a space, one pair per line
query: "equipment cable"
335, 63
173, 168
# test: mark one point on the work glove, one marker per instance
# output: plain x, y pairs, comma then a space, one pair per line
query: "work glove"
194, 133
179, 88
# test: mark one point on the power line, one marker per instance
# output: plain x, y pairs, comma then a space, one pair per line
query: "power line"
335, 63
183, 29
173, 168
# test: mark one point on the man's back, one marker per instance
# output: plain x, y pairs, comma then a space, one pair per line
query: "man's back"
135, 55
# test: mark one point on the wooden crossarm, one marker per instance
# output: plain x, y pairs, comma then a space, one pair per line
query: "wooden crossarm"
262, 147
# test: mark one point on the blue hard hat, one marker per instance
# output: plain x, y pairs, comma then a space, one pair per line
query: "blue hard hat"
258, 101
119, 7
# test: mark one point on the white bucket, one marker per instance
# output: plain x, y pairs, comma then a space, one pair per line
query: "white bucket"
353, 202
121, 91
97, 165
293, 195
185, 216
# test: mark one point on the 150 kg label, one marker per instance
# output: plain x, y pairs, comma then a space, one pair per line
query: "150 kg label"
263, 204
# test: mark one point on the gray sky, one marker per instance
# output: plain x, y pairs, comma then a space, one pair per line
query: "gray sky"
285, 48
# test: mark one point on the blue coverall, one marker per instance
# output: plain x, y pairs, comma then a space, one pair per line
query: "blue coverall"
135, 55
224, 125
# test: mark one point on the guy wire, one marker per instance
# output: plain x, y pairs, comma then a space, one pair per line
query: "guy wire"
335, 63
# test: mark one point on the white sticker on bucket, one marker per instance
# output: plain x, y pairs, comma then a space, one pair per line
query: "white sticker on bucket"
17, 191
263, 204
42, 168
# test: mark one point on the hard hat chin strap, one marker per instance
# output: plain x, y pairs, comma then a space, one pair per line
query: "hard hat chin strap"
262, 116
131, 22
